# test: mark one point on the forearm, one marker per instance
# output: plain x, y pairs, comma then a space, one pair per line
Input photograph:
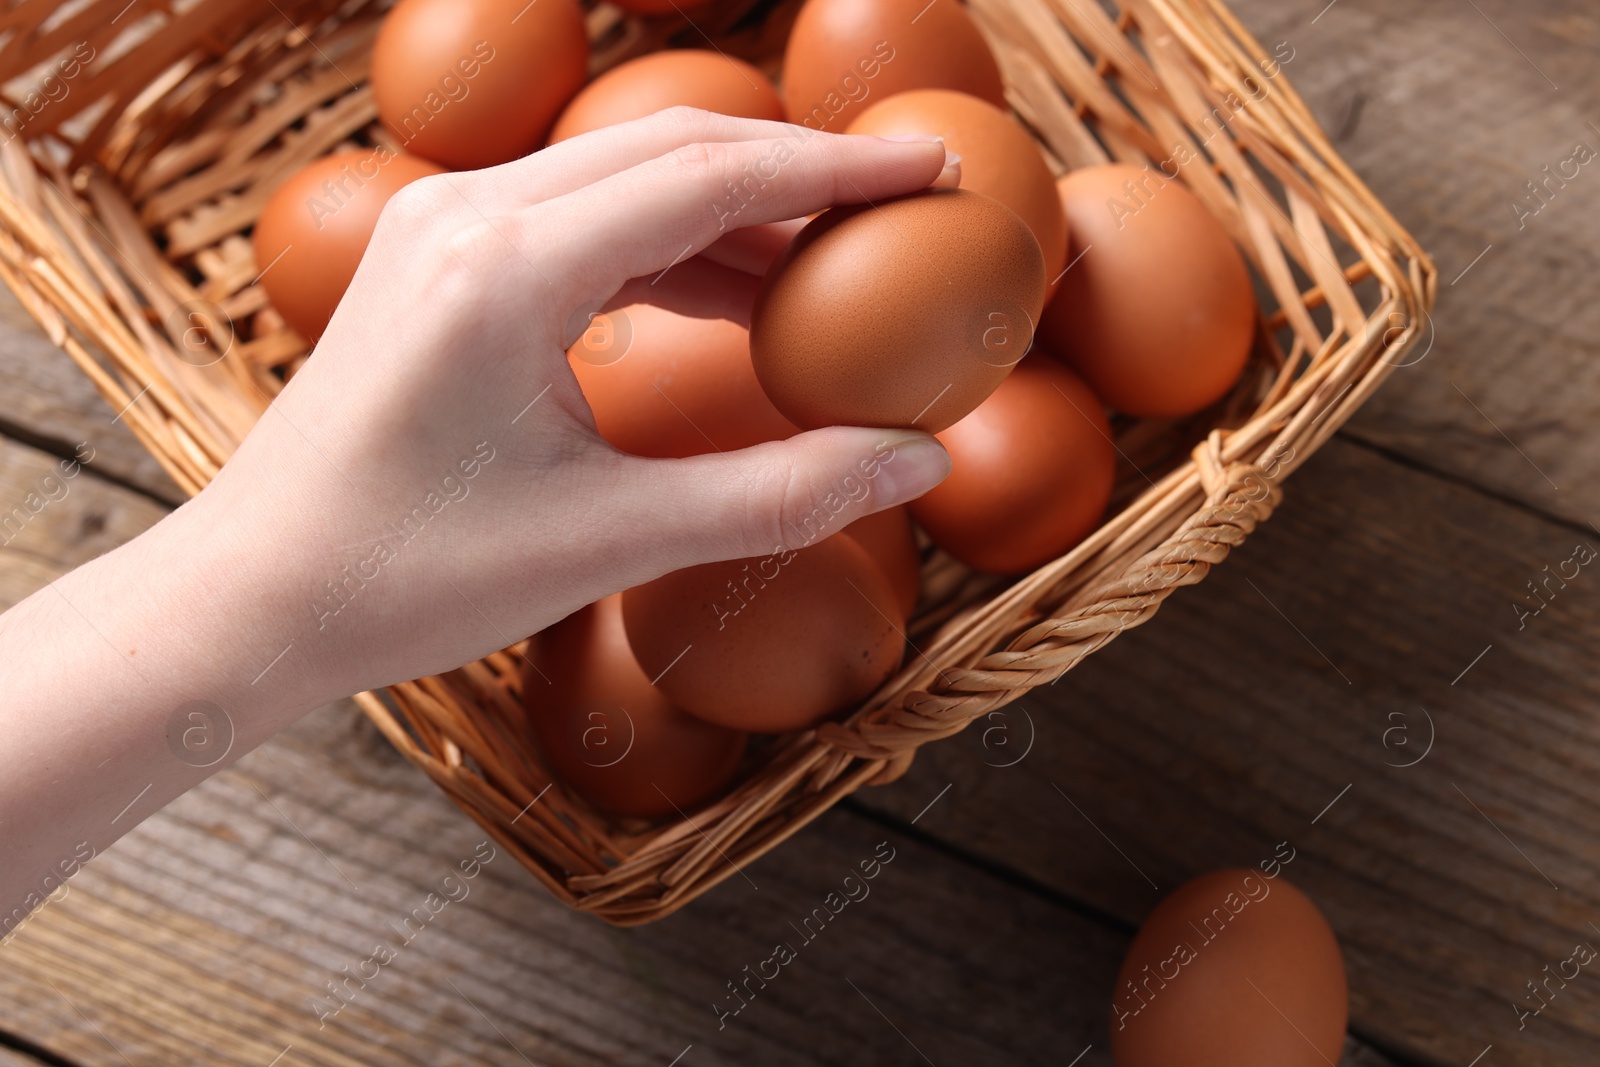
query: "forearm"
122, 684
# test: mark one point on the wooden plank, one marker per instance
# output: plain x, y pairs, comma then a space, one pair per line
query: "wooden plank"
49, 402
50, 522
13, 1058
207, 933
1273, 704
1445, 111
205, 936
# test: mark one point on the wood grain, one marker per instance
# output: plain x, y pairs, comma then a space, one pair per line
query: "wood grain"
49, 523
205, 935
13, 1058
1443, 111
1296, 678
49, 403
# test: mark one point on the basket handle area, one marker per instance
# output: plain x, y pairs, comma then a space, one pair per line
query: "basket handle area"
1239, 496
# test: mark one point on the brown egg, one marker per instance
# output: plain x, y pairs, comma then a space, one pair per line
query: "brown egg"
998, 158
610, 734
892, 543
844, 53
315, 227
1031, 473
906, 313
1233, 969
685, 77
770, 644
1157, 314
659, 7
474, 83
668, 386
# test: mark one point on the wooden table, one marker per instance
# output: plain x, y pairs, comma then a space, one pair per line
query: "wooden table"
1355, 682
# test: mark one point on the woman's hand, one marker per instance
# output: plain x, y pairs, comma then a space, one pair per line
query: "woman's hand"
444, 371
430, 486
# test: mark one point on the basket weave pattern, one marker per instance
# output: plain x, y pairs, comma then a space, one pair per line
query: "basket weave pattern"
127, 197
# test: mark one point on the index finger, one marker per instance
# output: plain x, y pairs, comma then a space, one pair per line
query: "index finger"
569, 165
646, 219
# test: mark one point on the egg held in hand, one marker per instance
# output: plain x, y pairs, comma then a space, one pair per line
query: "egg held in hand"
611, 735
1233, 969
680, 77
1031, 471
667, 386
769, 644
906, 313
843, 54
998, 158
475, 83
1156, 311
315, 228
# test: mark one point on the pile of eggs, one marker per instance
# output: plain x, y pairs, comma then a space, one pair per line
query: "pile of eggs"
1124, 293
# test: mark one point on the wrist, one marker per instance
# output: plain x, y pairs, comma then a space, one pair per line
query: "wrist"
131, 679
196, 608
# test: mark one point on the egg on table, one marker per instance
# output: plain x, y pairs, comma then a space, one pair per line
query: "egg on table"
1233, 969
315, 228
610, 734
1156, 311
680, 77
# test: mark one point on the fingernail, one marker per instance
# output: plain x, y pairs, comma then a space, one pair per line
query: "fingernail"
915, 138
909, 464
950, 176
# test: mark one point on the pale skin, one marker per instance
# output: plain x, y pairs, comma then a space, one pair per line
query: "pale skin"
451, 337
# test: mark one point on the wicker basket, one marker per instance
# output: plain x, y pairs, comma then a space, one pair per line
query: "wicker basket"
125, 201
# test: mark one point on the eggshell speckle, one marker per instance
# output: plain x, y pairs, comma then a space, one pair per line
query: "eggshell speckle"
1233, 969
906, 313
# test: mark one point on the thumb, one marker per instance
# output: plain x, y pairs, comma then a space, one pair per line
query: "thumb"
787, 494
